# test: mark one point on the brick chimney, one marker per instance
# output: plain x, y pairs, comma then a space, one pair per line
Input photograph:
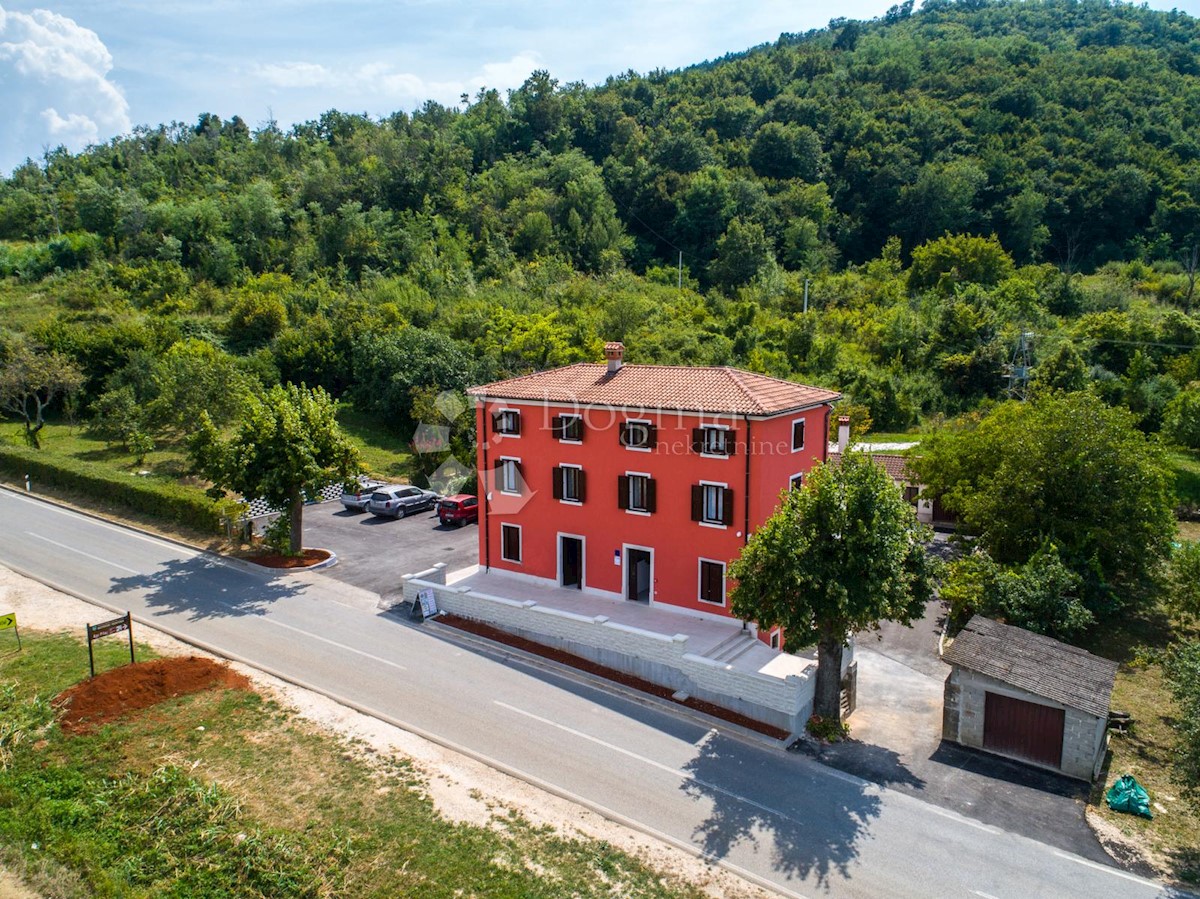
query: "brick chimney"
615, 354
843, 432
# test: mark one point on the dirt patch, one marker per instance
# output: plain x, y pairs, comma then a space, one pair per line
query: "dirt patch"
130, 688
626, 680
307, 559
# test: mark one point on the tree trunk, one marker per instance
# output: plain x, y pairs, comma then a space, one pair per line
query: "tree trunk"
827, 702
296, 536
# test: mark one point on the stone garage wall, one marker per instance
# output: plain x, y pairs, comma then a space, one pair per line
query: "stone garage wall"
662, 659
1084, 735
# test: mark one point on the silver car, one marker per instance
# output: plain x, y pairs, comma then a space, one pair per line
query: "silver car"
355, 498
396, 502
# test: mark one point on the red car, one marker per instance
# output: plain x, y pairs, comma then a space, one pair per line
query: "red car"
460, 509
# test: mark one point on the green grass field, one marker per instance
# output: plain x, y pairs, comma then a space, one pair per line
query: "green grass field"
224, 793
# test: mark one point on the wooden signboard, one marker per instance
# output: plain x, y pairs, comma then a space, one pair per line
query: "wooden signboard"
107, 629
424, 606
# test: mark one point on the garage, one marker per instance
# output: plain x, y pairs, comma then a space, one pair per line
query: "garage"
1027, 697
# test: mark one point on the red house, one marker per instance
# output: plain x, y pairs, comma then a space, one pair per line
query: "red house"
640, 481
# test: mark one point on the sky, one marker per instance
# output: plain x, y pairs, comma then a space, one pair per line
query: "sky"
76, 72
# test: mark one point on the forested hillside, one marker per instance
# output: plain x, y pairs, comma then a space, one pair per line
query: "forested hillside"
944, 180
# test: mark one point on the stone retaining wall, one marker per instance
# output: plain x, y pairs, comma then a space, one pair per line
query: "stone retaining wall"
662, 659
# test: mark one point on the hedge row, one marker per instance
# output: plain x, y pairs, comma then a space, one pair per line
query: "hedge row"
164, 500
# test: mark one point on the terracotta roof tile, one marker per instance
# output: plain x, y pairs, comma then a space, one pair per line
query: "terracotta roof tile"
895, 466
674, 387
1044, 667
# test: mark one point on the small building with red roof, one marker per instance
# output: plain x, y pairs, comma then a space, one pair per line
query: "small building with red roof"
639, 481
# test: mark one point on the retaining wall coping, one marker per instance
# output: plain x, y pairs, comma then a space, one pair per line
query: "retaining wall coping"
560, 613
639, 632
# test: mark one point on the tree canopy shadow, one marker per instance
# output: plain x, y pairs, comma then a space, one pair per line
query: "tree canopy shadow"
809, 823
877, 764
203, 588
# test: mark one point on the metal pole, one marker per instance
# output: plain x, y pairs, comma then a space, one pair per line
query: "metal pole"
681, 269
26, 483
806, 294
129, 628
91, 655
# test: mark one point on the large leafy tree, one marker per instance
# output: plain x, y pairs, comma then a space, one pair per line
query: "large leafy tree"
30, 380
839, 556
1067, 469
286, 445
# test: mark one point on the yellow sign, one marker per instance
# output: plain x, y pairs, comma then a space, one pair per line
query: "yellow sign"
7, 621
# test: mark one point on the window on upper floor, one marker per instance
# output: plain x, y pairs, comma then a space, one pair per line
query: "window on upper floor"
714, 441
508, 475
507, 421
569, 481
796, 482
636, 493
712, 504
798, 435
637, 435
567, 428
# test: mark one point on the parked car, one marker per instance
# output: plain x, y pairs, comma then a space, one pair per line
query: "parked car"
460, 509
357, 500
398, 501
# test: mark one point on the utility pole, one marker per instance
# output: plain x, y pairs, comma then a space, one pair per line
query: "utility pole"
806, 295
681, 269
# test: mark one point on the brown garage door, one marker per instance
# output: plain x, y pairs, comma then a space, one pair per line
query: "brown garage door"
1024, 729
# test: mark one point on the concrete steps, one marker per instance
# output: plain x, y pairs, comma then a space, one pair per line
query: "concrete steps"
731, 647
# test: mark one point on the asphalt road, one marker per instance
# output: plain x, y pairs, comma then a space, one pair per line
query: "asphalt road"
779, 817
374, 553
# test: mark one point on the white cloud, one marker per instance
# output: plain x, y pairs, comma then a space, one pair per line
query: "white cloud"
57, 87
387, 86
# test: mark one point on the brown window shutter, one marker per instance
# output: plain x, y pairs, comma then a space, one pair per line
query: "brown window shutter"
516, 423
651, 495
697, 440
697, 502
622, 428
557, 482
577, 425
731, 443
581, 480
496, 421
622, 491
557, 425
520, 477
651, 436
727, 507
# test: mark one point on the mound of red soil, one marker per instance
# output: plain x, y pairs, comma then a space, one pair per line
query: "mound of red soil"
306, 559
131, 688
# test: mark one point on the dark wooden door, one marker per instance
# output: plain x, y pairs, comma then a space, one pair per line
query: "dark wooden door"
637, 575
1023, 729
572, 562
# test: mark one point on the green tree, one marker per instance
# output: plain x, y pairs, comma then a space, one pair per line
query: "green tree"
839, 556
1183, 676
1064, 369
287, 444
30, 380
1063, 468
1181, 420
1183, 581
958, 259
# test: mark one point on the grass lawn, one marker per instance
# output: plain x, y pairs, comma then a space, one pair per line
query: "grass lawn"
1172, 838
383, 451
225, 793
1186, 466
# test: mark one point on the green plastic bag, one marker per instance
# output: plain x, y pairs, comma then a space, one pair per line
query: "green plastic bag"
1127, 795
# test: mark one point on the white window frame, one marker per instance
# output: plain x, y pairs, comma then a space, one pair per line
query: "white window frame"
645, 513
562, 416
505, 468
719, 523
714, 427
798, 476
500, 413
792, 434
639, 421
570, 502
700, 563
775, 639
520, 543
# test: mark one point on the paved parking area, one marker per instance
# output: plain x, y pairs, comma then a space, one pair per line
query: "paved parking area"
373, 553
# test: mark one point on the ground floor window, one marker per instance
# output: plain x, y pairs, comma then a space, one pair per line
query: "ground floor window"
712, 582
775, 639
510, 542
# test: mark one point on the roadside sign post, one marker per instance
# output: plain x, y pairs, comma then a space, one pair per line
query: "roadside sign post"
107, 629
9, 622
